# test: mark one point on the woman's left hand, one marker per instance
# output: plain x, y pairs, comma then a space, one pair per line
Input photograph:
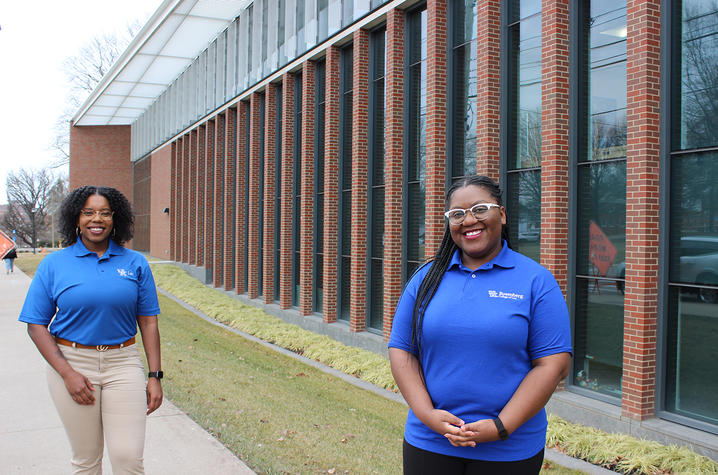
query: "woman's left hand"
483, 430
154, 394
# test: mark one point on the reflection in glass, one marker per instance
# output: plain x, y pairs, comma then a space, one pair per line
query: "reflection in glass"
694, 221
523, 197
601, 201
415, 185
699, 70
691, 382
464, 88
319, 102
377, 71
345, 181
524, 201
598, 351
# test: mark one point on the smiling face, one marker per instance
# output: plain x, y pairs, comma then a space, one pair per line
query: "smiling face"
95, 231
479, 241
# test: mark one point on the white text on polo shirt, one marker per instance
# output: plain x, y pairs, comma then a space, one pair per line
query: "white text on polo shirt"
505, 295
125, 273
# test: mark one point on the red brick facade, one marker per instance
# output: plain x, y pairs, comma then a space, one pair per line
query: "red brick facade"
201, 174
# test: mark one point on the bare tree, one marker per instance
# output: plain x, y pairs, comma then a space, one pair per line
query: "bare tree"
28, 192
84, 71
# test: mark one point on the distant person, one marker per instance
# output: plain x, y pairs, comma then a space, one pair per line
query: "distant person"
480, 340
103, 292
9, 259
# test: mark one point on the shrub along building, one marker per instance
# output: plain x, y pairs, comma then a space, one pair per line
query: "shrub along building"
297, 154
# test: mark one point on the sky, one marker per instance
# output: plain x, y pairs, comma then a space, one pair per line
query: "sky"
35, 38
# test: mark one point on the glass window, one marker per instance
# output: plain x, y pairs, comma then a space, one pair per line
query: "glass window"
523, 198
282, 11
297, 208
692, 327
377, 72
345, 181
277, 191
260, 204
319, 102
601, 201
323, 16
696, 89
415, 149
463, 93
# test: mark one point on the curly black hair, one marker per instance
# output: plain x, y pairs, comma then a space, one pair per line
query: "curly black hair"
122, 220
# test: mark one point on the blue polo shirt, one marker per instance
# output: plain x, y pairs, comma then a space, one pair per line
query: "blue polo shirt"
481, 331
97, 299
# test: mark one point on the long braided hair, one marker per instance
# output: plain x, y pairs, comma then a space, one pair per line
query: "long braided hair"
443, 256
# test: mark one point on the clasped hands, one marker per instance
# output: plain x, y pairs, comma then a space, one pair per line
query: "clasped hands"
458, 432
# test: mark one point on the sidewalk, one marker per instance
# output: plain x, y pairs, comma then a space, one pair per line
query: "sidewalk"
32, 439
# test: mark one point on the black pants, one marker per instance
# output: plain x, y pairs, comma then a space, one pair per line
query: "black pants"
423, 462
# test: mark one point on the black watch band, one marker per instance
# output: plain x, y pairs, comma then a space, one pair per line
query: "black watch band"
155, 374
503, 434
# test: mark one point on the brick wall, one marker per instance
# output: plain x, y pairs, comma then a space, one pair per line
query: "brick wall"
285, 264
307, 205
228, 214
240, 230
141, 204
208, 201
270, 122
642, 209
160, 198
488, 91
218, 204
253, 238
100, 156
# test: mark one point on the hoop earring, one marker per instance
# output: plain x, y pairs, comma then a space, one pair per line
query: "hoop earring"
77, 231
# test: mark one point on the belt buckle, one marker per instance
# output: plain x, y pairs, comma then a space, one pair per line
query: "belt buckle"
101, 347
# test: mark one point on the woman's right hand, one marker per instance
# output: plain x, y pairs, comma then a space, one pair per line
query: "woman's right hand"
79, 387
441, 421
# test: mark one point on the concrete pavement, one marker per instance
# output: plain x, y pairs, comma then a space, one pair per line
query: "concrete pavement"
32, 439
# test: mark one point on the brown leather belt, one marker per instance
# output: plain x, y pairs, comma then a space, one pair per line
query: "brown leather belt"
62, 341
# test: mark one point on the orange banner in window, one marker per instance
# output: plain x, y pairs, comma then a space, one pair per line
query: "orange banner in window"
601, 249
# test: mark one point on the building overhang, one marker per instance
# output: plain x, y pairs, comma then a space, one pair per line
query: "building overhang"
172, 38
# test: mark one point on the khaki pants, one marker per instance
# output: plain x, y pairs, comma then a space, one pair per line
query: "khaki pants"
118, 414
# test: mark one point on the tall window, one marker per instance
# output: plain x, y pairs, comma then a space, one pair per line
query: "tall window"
377, 72
345, 181
281, 17
319, 101
601, 198
415, 142
523, 189
323, 17
248, 129
692, 327
277, 190
260, 204
462, 94
296, 205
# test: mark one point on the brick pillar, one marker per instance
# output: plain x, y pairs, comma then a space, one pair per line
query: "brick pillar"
241, 238
208, 201
270, 149
218, 203
228, 212
174, 203
185, 198
200, 194
642, 209
253, 238
285, 263
193, 221
435, 125
360, 170
307, 206
393, 157
331, 183
488, 91
554, 143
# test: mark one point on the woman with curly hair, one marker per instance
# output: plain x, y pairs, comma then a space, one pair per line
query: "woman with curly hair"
480, 340
99, 293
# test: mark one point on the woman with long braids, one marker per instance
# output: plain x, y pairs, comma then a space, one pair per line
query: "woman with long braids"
480, 340
82, 311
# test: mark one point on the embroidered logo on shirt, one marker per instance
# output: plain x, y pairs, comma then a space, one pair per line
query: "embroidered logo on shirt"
125, 273
505, 295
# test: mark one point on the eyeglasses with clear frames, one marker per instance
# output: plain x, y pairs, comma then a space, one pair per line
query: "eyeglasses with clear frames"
480, 211
105, 214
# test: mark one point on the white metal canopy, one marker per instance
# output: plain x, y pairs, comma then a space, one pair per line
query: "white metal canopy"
173, 37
